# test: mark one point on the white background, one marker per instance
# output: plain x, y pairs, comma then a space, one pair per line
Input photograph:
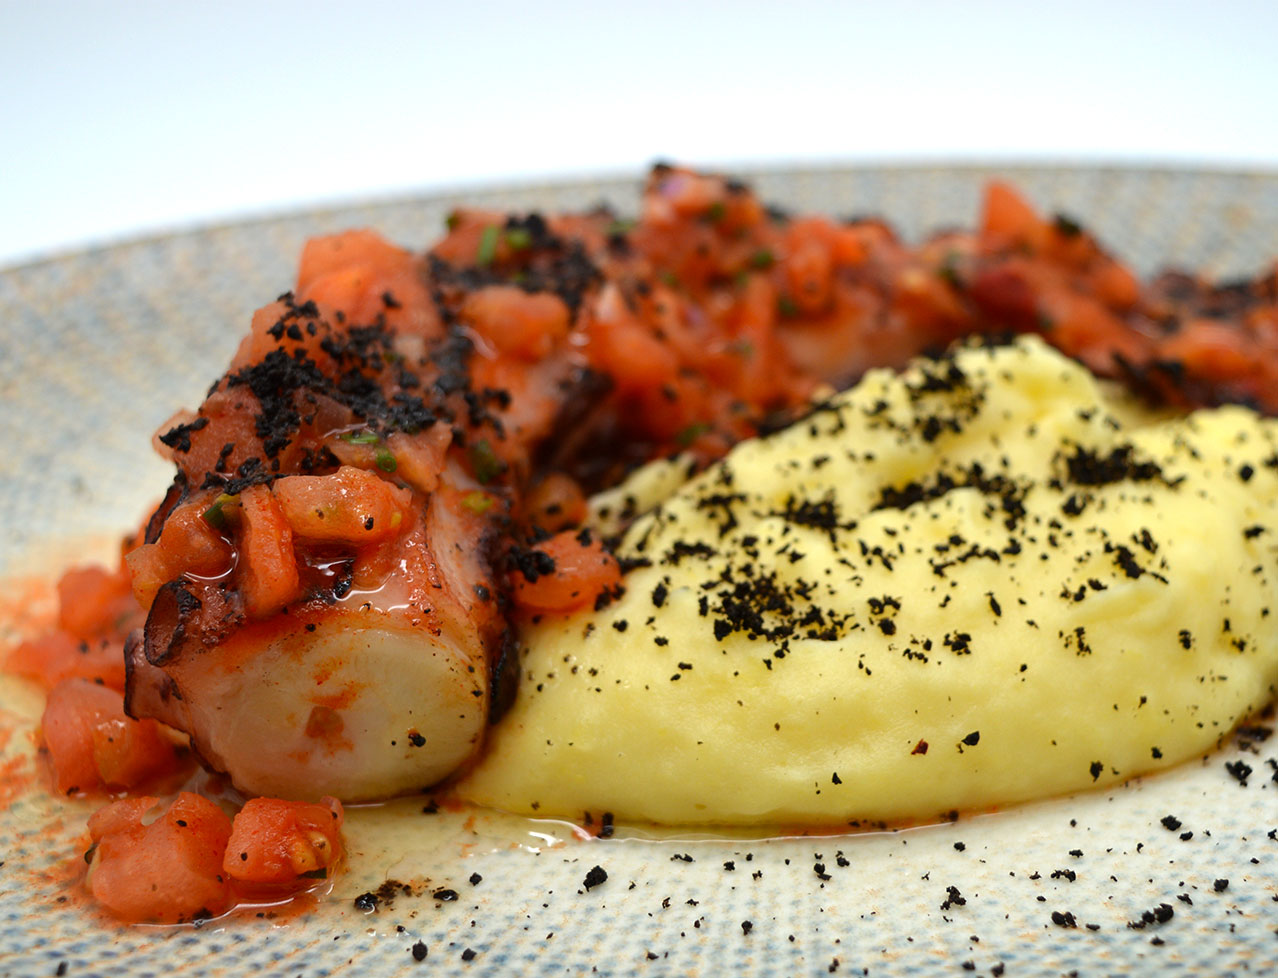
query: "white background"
119, 119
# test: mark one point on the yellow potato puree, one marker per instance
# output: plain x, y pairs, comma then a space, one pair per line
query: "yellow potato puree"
983, 580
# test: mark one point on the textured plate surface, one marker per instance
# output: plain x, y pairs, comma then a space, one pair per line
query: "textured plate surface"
99, 348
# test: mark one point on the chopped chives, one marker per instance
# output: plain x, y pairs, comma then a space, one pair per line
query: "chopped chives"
477, 502
692, 433
485, 462
518, 238
487, 246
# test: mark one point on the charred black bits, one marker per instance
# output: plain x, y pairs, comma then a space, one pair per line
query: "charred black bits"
1239, 770
596, 877
1158, 915
953, 898
419, 951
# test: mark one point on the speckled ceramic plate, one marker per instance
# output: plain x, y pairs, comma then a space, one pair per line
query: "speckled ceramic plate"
100, 347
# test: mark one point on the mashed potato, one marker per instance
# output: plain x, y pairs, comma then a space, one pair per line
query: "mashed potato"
983, 580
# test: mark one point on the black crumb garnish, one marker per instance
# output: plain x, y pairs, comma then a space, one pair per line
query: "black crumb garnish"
1171, 823
418, 951
953, 898
445, 895
747, 926
468, 955
179, 438
596, 877
366, 902
1240, 771
1086, 467
1159, 915
1065, 919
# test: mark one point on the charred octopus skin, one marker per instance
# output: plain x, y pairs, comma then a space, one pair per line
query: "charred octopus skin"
386, 481
324, 614
360, 696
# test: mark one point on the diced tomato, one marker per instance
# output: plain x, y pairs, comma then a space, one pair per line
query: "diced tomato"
1005, 294
1211, 349
188, 544
350, 506
229, 418
281, 326
1007, 216
852, 244
92, 743
519, 324
419, 458
365, 276
582, 571
120, 816
58, 655
810, 264
277, 841
267, 570
1115, 285
167, 870
625, 349
555, 502
92, 600
929, 302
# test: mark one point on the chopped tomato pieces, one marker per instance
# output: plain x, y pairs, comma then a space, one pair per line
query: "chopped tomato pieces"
522, 324
92, 600
188, 544
350, 506
366, 277
267, 569
59, 655
577, 572
1008, 217
277, 841
92, 743
556, 502
166, 870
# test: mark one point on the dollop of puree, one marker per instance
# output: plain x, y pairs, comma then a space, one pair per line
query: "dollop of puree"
982, 580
